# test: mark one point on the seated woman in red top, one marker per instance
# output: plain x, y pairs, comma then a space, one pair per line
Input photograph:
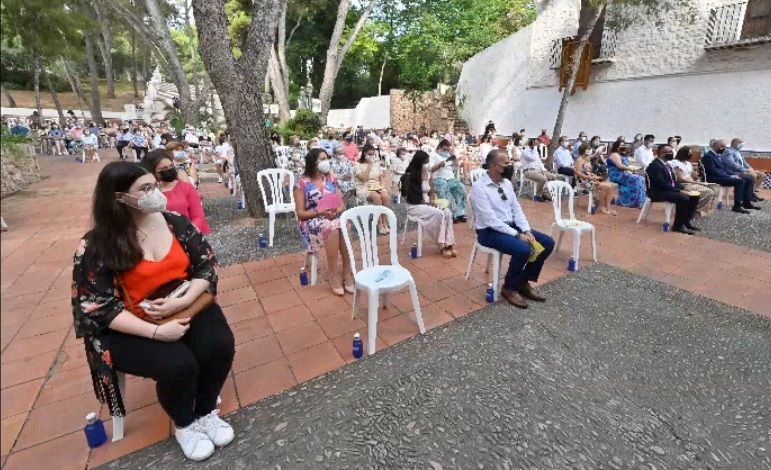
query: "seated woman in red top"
181, 196
133, 249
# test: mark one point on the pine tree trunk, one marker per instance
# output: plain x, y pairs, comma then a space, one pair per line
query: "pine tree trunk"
105, 47
380, 82
277, 81
239, 83
36, 66
54, 97
134, 64
8, 97
575, 67
96, 104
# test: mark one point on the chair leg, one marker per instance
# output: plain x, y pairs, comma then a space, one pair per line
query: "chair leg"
355, 302
594, 246
420, 240
471, 261
559, 240
117, 421
271, 227
372, 321
496, 260
644, 211
416, 307
489, 263
404, 230
590, 203
576, 247
314, 269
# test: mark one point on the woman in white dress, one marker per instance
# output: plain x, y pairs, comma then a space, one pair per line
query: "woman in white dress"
418, 192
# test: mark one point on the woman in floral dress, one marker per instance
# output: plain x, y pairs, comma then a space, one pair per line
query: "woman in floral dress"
322, 227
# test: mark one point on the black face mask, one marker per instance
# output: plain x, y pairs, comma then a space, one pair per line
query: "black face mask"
508, 172
168, 175
721, 150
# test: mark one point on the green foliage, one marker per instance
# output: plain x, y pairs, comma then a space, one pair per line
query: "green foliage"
9, 142
305, 124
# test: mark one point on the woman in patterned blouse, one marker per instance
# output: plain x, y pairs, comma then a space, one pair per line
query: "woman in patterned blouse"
133, 249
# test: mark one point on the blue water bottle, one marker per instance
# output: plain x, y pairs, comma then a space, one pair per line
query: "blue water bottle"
240, 204
263, 241
303, 277
94, 430
358, 346
572, 264
665, 226
719, 205
414, 251
594, 209
490, 296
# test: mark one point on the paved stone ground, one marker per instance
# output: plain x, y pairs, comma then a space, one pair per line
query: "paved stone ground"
751, 230
615, 371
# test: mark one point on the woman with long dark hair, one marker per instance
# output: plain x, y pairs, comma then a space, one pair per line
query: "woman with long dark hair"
418, 191
320, 226
134, 250
631, 186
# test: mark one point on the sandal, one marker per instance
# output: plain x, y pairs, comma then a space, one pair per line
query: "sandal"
605, 211
350, 288
613, 212
447, 253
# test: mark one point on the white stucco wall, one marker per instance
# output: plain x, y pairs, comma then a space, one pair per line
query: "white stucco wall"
663, 82
373, 112
485, 88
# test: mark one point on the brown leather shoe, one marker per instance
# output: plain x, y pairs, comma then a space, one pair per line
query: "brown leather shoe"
514, 298
527, 291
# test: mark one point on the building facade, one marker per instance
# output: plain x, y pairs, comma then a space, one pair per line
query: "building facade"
700, 71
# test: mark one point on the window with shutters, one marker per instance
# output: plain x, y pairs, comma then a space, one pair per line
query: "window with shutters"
739, 24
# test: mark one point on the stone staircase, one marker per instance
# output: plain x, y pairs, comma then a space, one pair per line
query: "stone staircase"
164, 102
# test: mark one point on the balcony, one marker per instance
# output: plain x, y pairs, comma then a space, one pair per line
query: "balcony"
738, 25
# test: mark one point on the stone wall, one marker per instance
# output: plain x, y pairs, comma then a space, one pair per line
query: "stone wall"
19, 168
430, 111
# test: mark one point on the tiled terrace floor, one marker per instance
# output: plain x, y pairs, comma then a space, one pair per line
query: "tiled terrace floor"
285, 333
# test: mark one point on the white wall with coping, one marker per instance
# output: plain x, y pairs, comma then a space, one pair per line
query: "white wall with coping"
373, 112
663, 82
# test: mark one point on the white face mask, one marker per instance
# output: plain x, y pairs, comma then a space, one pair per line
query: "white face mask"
153, 201
324, 166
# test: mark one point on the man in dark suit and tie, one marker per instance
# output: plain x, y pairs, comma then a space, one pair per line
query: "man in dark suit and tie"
663, 187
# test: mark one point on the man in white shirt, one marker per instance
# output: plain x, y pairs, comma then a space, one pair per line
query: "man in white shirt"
643, 156
446, 185
191, 137
563, 160
536, 172
501, 224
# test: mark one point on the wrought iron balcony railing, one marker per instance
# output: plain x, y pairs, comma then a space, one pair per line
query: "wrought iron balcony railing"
735, 24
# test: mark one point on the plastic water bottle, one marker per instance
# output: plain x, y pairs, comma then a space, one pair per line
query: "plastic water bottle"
665, 226
414, 251
303, 277
358, 346
394, 199
263, 241
490, 296
94, 430
572, 264
240, 204
719, 205
594, 209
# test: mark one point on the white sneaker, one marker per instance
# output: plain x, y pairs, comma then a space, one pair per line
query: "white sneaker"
194, 442
220, 432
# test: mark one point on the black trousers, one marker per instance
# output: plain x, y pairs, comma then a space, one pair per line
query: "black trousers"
188, 373
139, 151
119, 146
685, 206
743, 188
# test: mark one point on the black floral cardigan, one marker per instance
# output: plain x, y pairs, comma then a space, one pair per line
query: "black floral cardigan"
96, 301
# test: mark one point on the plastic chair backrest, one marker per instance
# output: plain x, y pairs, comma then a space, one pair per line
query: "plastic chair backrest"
555, 190
364, 219
476, 174
276, 178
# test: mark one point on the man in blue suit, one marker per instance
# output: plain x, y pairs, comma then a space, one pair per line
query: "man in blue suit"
717, 172
663, 186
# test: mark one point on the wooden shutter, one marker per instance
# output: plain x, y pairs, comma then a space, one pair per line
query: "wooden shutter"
757, 19
569, 46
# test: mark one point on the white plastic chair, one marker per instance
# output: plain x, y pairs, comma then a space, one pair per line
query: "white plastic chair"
493, 259
572, 225
476, 174
722, 191
277, 205
371, 277
416, 221
523, 180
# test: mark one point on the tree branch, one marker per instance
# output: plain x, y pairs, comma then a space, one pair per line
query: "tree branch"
265, 15
355, 32
291, 33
